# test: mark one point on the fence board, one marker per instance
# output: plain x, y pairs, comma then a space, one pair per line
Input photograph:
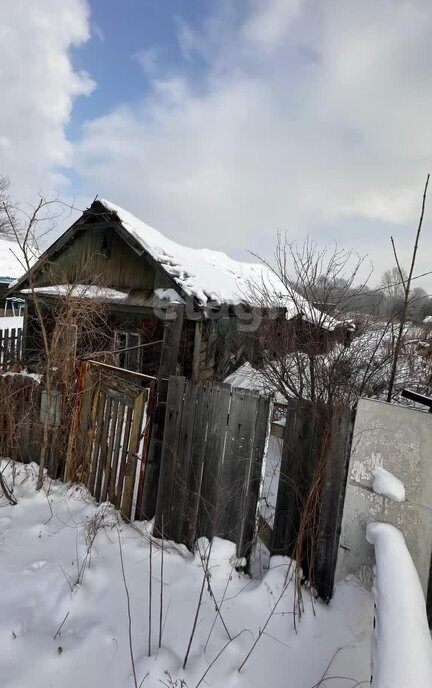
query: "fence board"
182, 462
109, 462
315, 454
236, 462
193, 488
123, 456
219, 404
174, 408
103, 454
132, 455
299, 455
250, 522
332, 499
211, 462
116, 454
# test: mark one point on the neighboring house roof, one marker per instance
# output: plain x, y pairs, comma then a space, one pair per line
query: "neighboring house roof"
210, 277
10, 266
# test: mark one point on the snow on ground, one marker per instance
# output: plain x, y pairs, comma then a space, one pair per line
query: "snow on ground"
385, 483
43, 546
9, 323
402, 655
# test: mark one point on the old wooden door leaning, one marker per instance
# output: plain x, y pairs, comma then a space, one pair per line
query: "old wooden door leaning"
113, 437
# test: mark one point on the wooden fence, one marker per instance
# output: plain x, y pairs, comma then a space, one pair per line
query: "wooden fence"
209, 469
312, 479
211, 464
10, 346
111, 429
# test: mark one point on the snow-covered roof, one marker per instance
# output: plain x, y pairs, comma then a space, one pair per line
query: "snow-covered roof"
212, 276
10, 266
89, 291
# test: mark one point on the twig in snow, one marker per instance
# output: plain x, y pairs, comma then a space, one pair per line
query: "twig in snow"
217, 657
61, 626
220, 607
7, 493
128, 611
150, 599
198, 605
213, 598
161, 585
262, 630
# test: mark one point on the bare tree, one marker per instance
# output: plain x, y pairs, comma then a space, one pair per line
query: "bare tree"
4, 201
406, 282
314, 344
73, 320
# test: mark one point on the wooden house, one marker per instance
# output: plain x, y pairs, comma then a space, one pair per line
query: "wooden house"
145, 282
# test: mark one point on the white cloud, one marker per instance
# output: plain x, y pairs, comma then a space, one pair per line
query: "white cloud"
38, 85
310, 115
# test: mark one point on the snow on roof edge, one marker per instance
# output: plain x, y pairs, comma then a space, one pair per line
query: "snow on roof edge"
212, 276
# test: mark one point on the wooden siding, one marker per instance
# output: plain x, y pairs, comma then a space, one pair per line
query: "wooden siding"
100, 256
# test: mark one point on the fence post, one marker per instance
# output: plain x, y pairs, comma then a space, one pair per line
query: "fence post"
168, 364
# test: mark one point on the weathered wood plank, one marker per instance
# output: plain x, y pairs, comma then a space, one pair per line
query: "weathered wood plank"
236, 463
111, 438
182, 462
168, 367
94, 446
299, 455
139, 511
174, 408
331, 501
132, 456
123, 457
249, 523
216, 432
193, 487
116, 453
103, 453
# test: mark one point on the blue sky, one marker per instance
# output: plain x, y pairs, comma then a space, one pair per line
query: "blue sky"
120, 32
221, 122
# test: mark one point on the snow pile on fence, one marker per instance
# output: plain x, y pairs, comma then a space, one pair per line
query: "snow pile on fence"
64, 615
402, 652
385, 483
9, 323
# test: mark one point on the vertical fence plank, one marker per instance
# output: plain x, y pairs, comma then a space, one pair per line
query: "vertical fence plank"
132, 456
249, 522
299, 455
174, 408
215, 441
183, 460
111, 438
116, 453
94, 448
103, 453
332, 498
123, 456
236, 462
193, 487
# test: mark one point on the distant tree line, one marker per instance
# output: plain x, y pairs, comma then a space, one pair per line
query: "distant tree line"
386, 300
